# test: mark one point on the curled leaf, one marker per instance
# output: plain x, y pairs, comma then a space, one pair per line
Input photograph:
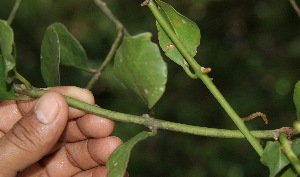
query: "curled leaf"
7, 50
275, 159
118, 160
6, 93
7, 61
186, 30
71, 51
50, 57
59, 47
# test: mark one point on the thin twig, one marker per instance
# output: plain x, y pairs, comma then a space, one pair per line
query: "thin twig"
13, 12
102, 5
23, 80
295, 6
120, 28
106, 61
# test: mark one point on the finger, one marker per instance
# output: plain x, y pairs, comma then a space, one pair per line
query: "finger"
94, 172
10, 114
80, 156
77, 93
37, 170
1, 134
71, 91
33, 170
98, 150
34, 135
87, 126
94, 126
90, 153
72, 133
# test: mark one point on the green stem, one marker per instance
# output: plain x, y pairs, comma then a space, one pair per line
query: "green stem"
289, 152
150, 122
23, 80
295, 6
106, 61
102, 5
189, 73
205, 79
13, 12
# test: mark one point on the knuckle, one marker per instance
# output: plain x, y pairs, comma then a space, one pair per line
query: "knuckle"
25, 137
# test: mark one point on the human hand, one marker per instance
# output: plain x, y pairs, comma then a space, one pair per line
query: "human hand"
45, 137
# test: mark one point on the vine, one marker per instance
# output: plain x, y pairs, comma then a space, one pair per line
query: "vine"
153, 122
179, 38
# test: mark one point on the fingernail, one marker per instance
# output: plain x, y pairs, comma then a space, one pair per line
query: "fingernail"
46, 109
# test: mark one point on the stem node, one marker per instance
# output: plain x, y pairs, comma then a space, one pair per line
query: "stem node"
205, 70
145, 3
152, 123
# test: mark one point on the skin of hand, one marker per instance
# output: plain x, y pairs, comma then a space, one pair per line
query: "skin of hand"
45, 137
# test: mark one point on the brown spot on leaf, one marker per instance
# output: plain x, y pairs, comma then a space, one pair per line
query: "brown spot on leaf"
170, 46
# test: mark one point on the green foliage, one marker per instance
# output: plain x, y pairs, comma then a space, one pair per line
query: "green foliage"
7, 61
185, 29
276, 160
59, 47
7, 49
50, 57
71, 51
118, 161
139, 65
5, 92
297, 99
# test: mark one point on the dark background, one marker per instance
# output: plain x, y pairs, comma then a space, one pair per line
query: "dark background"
253, 48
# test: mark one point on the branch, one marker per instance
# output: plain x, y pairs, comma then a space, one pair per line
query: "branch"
205, 79
22, 79
102, 5
295, 6
106, 61
13, 12
152, 123
113, 49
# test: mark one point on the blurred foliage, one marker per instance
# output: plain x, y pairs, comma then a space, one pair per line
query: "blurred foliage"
253, 48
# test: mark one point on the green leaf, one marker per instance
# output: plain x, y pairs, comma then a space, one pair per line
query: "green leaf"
7, 50
297, 99
7, 61
59, 47
71, 51
275, 159
289, 172
139, 65
50, 57
186, 30
118, 160
6, 93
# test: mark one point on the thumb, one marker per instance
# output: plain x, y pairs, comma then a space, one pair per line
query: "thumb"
34, 135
